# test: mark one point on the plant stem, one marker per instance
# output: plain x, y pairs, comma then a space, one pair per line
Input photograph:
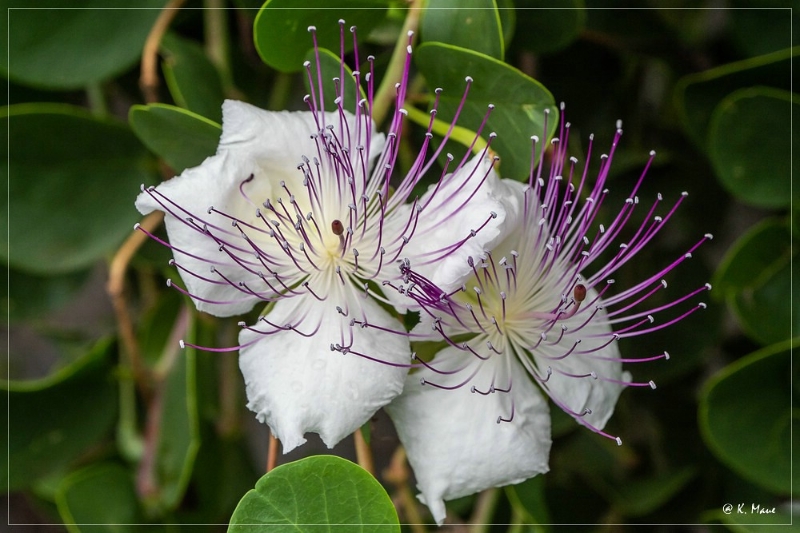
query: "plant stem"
384, 97
484, 509
272, 458
215, 31
279, 94
129, 442
96, 99
397, 475
363, 452
517, 521
116, 291
148, 78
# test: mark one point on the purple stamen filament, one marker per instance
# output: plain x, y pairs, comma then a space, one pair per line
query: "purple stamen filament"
558, 239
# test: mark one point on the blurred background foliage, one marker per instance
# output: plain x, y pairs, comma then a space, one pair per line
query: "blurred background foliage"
97, 434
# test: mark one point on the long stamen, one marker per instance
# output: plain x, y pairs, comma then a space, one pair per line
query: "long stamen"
543, 284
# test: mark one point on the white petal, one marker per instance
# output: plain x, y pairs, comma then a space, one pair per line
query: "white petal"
450, 212
453, 211
578, 394
296, 384
277, 140
452, 438
267, 146
215, 182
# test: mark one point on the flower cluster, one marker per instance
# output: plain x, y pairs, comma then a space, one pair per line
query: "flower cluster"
309, 212
303, 210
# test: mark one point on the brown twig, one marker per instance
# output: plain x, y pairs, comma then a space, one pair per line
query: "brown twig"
116, 291
483, 511
363, 452
272, 458
148, 79
397, 474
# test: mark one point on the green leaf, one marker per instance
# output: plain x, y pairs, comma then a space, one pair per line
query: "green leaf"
471, 24
281, 32
755, 279
508, 20
519, 101
529, 498
331, 68
53, 420
764, 30
26, 296
68, 46
549, 30
315, 491
640, 497
750, 144
73, 178
746, 413
225, 472
697, 95
182, 138
193, 81
99, 494
756, 251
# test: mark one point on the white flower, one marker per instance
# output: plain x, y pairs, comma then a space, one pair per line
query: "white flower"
297, 209
523, 323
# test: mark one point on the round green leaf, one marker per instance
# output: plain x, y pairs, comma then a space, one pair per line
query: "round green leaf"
73, 178
508, 20
51, 421
697, 95
67, 46
519, 101
27, 296
99, 494
758, 250
182, 138
313, 492
549, 30
281, 28
746, 413
764, 30
750, 145
193, 81
755, 278
472, 24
